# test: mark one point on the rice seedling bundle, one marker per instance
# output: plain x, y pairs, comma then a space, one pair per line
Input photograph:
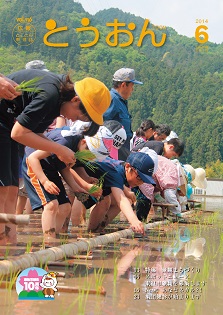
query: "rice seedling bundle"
86, 157
29, 86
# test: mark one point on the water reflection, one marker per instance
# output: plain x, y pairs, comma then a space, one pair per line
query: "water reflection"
161, 267
163, 273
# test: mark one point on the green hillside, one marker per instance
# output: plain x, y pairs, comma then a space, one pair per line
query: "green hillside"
182, 86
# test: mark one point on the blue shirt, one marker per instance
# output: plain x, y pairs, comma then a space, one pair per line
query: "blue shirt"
118, 110
114, 176
114, 173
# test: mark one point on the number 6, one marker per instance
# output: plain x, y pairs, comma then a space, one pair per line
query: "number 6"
199, 33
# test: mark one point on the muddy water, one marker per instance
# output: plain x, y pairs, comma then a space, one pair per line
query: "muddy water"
176, 269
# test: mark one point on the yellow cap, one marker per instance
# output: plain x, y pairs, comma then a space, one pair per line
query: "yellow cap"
95, 97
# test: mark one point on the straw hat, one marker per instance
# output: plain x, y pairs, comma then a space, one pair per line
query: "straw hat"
200, 178
195, 248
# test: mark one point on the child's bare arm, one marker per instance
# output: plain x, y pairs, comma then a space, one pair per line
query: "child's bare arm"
81, 172
34, 162
81, 181
37, 141
125, 207
71, 180
60, 122
129, 194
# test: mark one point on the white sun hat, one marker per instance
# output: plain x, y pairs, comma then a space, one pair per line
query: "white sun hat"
171, 135
200, 180
78, 127
101, 143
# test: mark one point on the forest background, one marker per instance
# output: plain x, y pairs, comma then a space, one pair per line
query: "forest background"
182, 78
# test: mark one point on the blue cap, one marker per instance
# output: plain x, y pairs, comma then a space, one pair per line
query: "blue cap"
144, 165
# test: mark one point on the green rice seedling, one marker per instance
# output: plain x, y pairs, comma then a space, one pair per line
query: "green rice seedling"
202, 277
75, 268
29, 246
116, 245
1, 279
93, 189
68, 309
159, 235
82, 299
63, 239
138, 262
115, 278
190, 308
206, 269
190, 305
97, 186
86, 157
12, 279
43, 265
219, 250
137, 193
29, 86
115, 274
103, 253
221, 244
99, 278
7, 250
101, 180
215, 217
145, 261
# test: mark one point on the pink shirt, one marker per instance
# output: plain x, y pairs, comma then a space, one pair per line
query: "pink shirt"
166, 177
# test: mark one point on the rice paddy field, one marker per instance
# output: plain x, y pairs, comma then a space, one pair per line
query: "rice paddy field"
175, 268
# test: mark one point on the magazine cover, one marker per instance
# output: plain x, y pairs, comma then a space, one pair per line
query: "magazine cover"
111, 173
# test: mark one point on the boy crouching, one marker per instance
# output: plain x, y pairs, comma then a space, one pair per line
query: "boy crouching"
118, 176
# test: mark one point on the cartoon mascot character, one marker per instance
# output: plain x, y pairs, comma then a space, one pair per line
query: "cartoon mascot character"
49, 283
